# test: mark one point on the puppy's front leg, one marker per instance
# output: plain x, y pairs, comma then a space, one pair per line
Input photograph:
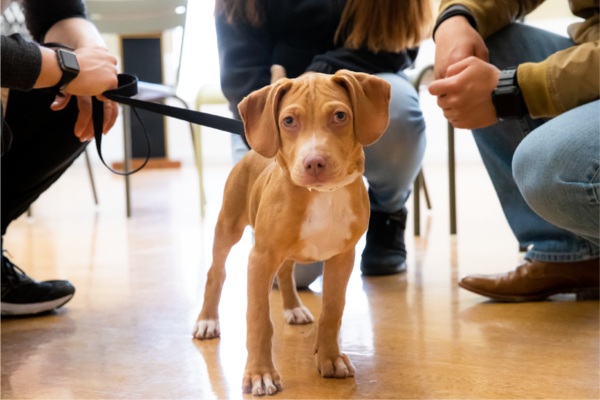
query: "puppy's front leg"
332, 363
260, 375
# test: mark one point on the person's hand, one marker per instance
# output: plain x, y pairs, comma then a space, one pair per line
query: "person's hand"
455, 40
84, 127
465, 94
277, 73
97, 72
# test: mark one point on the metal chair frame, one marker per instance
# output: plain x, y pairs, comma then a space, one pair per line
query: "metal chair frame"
133, 18
420, 180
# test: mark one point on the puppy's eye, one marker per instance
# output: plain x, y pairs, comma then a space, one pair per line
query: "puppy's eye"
340, 116
288, 121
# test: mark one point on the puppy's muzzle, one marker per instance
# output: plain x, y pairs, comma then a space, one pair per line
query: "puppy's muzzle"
315, 167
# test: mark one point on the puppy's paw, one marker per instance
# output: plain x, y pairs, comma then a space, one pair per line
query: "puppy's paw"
298, 316
260, 384
206, 329
335, 367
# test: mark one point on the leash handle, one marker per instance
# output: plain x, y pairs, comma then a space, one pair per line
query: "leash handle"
127, 87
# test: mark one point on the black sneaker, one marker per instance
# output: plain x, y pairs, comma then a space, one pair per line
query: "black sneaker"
21, 295
385, 252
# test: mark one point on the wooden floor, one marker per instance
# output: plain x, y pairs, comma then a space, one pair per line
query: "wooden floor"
140, 282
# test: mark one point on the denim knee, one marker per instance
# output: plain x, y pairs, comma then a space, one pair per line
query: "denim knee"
403, 142
531, 174
556, 169
393, 162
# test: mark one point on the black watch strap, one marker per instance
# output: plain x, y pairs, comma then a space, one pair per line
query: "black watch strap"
66, 78
453, 11
507, 97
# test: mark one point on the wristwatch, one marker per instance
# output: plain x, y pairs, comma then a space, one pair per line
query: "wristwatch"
507, 97
67, 61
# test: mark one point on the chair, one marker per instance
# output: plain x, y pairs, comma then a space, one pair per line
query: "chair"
138, 17
418, 77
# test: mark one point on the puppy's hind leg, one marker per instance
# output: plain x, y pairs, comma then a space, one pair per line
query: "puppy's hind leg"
294, 311
227, 233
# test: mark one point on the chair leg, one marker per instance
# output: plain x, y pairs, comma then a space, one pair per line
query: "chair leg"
89, 167
127, 156
197, 142
421, 176
452, 178
417, 205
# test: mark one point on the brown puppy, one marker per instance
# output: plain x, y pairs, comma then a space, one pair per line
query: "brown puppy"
301, 189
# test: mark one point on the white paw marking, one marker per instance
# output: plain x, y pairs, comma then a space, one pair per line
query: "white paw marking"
298, 316
341, 367
341, 370
262, 384
206, 329
257, 389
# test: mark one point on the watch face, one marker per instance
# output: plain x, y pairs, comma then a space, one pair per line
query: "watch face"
70, 61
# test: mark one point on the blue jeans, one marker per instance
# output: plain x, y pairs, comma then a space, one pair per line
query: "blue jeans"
511, 46
393, 162
557, 170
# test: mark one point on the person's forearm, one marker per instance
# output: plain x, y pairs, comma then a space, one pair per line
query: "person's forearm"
72, 32
492, 15
51, 72
75, 33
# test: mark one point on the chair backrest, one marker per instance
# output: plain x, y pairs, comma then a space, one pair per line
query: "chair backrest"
130, 17
138, 17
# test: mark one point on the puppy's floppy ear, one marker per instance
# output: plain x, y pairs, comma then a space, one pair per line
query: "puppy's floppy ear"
260, 111
370, 97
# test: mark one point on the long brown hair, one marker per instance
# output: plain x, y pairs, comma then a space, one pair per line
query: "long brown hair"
245, 11
380, 25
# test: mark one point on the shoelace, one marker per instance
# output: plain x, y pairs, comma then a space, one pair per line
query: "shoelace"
12, 269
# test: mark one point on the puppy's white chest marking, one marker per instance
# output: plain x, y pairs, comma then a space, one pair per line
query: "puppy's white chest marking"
327, 225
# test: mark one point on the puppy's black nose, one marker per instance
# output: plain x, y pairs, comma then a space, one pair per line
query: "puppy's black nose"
314, 165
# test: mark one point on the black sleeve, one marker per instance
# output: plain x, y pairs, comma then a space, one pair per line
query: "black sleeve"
21, 62
361, 60
245, 59
5, 135
40, 15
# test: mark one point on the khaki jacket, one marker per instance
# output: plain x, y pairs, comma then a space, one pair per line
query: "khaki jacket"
566, 79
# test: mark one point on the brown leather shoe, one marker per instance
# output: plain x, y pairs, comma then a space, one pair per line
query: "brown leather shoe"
535, 280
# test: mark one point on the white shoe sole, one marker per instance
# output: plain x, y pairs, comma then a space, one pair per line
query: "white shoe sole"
33, 308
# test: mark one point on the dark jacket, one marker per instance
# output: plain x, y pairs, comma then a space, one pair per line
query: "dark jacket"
21, 59
297, 34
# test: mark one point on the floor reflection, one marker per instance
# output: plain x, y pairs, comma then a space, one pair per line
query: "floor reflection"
217, 378
29, 347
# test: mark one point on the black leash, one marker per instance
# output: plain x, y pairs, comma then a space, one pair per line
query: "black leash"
128, 88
